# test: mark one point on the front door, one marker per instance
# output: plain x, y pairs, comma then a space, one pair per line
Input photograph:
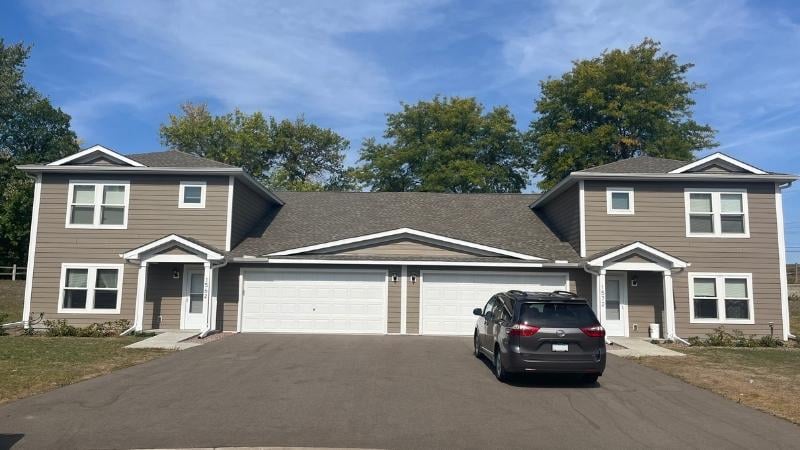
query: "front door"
194, 308
616, 306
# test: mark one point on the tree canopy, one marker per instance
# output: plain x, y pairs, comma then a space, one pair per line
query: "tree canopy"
31, 131
621, 104
285, 154
447, 144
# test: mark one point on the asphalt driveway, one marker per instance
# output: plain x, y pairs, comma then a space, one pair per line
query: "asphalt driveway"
376, 392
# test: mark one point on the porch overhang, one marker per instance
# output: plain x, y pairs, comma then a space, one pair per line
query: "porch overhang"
194, 251
652, 259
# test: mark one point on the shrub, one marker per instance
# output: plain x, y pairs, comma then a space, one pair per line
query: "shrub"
105, 329
735, 338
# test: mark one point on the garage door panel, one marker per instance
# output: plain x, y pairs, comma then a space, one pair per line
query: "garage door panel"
448, 298
312, 301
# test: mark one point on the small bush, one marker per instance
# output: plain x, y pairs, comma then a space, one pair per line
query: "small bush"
735, 338
105, 329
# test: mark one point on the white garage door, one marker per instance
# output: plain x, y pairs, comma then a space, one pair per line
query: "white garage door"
448, 298
314, 301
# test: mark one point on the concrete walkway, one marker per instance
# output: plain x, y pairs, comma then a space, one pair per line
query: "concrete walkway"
172, 340
637, 347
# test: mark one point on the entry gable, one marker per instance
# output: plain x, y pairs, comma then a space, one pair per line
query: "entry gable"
175, 246
635, 256
432, 241
97, 155
403, 247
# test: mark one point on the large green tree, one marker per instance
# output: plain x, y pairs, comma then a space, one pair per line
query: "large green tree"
31, 131
447, 145
621, 104
285, 154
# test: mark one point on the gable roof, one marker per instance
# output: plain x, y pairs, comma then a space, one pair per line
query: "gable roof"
639, 164
722, 158
176, 158
170, 240
499, 221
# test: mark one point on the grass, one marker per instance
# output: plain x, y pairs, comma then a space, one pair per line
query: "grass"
764, 378
32, 365
11, 295
794, 314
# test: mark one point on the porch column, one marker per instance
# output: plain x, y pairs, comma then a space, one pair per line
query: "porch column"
141, 288
669, 306
207, 291
214, 293
601, 296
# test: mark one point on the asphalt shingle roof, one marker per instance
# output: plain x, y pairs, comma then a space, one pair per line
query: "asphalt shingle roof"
502, 221
175, 158
639, 164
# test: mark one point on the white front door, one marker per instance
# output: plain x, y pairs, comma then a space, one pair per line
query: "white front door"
616, 305
194, 308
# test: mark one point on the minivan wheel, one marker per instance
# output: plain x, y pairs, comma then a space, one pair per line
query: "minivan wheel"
499, 371
477, 349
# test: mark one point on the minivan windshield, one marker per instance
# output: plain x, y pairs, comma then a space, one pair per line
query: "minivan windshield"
550, 314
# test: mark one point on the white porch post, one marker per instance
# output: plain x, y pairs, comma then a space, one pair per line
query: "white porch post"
669, 306
403, 299
601, 297
141, 288
214, 291
207, 292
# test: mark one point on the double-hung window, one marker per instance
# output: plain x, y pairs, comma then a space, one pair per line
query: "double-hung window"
98, 204
721, 298
716, 213
90, 288
619, 200
192, 194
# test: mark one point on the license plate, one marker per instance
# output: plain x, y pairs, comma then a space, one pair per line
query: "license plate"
560, 347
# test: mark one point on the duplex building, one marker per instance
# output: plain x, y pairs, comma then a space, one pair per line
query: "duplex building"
172, 240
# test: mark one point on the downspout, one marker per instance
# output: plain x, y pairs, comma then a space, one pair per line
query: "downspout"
209, 326
675, 336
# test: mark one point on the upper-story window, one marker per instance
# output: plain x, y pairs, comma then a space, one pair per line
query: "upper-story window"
619, 200
98, 204
716, 213
192, 194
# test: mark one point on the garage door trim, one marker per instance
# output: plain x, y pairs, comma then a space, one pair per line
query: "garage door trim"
477, 272
243, 272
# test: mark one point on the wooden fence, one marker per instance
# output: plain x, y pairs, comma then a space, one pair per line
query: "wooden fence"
14, 272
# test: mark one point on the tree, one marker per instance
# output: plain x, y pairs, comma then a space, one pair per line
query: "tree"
31, 131
286, 155
447, 145
616, 106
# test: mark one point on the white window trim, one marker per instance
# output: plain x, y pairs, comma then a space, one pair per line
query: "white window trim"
98, 198
91, 279
619, 190
720, 287
716, 212
184, 185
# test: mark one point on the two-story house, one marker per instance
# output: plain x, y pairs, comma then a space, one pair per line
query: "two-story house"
170, 240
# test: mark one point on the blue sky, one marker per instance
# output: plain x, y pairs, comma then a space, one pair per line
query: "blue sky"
119, 68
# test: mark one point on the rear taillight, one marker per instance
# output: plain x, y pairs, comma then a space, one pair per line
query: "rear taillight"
595, 331
521, 329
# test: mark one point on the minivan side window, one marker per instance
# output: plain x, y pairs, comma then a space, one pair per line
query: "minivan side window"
489, 306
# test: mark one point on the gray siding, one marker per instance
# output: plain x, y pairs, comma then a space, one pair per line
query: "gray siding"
248, 209
153, 213
659, 221
562, 215
645, 302
228, 297
162, 304
395, 299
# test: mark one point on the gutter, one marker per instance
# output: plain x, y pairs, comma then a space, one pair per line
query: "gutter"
373, 262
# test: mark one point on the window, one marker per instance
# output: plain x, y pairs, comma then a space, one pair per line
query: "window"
619, 200
721, 298
192, 194
90, 288
718, 213
97, 204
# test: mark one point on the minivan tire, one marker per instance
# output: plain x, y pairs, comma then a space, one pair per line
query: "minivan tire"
499, 371
477, 347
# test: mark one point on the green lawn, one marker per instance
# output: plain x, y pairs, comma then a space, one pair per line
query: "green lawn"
794, 313
11, 295
31, 365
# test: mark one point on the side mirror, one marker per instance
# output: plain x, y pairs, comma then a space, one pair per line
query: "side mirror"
477, 312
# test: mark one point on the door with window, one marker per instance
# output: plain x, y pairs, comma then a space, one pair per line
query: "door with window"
194, 308
616, 306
